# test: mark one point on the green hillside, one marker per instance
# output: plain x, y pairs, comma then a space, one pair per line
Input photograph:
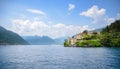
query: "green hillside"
113, 27
111, 34
10, 38
108, 37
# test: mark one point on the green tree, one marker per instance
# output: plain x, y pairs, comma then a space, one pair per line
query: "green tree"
85, 32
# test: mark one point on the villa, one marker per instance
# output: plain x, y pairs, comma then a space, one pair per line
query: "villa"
72, 40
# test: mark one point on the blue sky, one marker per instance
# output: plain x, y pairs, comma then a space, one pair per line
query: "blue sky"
57, 18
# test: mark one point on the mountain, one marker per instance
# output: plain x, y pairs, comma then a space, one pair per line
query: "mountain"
10, 38
60, 40
113, 27
43, 40
37, 40
97, 30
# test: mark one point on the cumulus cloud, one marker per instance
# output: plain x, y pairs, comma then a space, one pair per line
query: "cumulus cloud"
71, 7
98, 15
94, 12
36, 11
26, 27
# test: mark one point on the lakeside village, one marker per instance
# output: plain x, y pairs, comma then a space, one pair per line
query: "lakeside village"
85, 38
107, 37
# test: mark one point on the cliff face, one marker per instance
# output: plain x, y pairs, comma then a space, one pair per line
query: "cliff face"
10, 38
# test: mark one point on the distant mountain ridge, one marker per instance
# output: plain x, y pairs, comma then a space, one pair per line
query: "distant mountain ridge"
43, 40
37, 40
60, 40
10, 38
97, 30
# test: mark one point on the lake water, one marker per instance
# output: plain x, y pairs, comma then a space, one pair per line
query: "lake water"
58, 57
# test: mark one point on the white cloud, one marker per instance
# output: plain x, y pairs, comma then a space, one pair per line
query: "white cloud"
98, 15
94, 12
71, 7
26, 27
60, 25
36, 11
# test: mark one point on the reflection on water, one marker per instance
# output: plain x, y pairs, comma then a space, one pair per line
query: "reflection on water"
58, 57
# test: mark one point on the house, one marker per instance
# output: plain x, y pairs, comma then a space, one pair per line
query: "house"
74, 39
78, 36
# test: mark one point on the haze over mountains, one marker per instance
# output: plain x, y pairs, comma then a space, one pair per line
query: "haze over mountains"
10, 38
43, 40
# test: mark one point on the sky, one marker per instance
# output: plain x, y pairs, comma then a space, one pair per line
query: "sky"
57, 18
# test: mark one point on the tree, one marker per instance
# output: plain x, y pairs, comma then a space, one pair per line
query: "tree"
85, 32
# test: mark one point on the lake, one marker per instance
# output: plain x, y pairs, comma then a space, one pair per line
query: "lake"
58, 57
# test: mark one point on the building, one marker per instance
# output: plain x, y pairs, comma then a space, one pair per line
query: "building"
78, 36
74, 39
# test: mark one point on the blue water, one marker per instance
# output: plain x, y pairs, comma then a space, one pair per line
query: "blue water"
58, 57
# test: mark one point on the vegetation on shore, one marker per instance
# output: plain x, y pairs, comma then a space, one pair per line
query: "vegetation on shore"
109, 37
